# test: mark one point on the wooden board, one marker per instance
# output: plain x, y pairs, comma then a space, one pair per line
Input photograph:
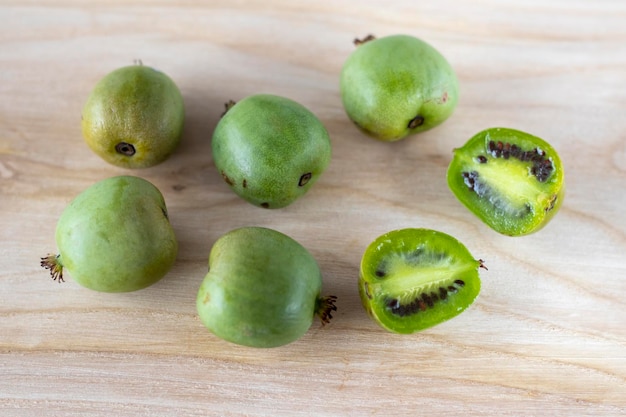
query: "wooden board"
546, 335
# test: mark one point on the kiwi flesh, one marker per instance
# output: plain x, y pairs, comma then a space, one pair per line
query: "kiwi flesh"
412, 279
511, 180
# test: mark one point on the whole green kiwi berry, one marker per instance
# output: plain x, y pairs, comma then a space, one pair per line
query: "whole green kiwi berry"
396, 86
270, 150
134, 117
115, 236
263, 289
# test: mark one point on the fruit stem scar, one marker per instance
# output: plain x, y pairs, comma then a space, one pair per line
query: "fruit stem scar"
368, 38
366, 288
324, 308
53, 263
227, 179
304, 179
125, 148
415, 122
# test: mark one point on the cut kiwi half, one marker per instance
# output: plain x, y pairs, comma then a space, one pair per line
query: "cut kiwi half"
412, 279
511, 180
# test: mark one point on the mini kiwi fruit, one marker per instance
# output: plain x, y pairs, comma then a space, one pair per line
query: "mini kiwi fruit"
115, 236
270, 150
134, 116
263, 289
511, 180
412, 279
396, 86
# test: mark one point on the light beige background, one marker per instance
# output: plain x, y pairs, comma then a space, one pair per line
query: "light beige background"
546, 335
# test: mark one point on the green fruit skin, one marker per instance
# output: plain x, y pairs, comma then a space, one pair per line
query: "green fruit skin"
387, 82
545, 203
116, 237
263, 146
138, 105
372, 288
261, 290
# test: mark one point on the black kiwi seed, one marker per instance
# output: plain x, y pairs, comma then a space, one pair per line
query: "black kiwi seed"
505, 152
471, 179
482, 190
481, 159
394, 303
381, 270
443, 293
542, 168
429, 301
515, 151
423, 301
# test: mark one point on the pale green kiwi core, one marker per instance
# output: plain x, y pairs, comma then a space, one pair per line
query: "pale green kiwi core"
411, 281
518, 185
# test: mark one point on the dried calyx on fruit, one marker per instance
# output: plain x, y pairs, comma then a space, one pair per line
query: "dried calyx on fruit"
115, 236
263, 289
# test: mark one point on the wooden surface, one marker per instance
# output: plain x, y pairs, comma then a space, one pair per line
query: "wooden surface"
546, 335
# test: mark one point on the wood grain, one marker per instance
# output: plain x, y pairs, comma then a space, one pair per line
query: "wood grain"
545, 337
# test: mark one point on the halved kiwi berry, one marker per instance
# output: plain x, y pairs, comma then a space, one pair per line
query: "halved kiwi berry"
412, 279
511, 180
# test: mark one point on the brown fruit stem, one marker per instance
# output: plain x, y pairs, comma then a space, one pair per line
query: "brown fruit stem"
53, 263
481, 264
324, 308
368, 38
227, 106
